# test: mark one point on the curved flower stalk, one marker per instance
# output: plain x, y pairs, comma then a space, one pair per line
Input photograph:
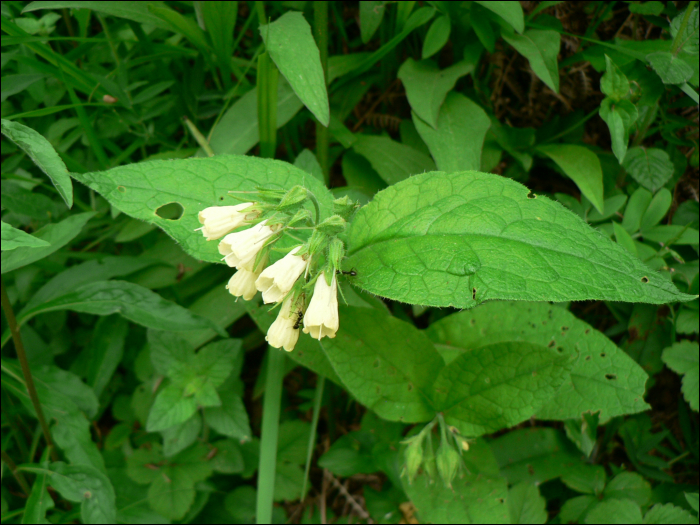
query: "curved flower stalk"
321, 318
284, 332
277, 280
240, 249
217, 221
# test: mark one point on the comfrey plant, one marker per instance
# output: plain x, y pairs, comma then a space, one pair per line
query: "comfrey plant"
303, 282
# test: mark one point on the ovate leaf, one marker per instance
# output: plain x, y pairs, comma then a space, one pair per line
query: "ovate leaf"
290, 44
170, 408
56, 236
13, 238
511, 12
582, 166
231, 418
437, 36
427, 86
44, 156
670, 67
391, 375
458, 239
541, 48
614, 83
392, 160
458, 139
518, 378
87, 486
371, 14
139, 190
604, 378
650, 167
526, 505
620, 117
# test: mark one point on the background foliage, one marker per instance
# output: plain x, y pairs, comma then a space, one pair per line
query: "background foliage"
151, 378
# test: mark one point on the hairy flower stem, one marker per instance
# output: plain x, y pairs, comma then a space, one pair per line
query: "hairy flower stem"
28, 380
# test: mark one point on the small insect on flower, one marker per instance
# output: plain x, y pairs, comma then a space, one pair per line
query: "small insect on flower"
300, 317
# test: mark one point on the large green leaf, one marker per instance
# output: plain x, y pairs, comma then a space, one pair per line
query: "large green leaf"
541, 48
391, 374
518, 378
44, 156
56, 235
290, 44
140, 189
604, 378
458, 239
427, 86
13, 238
131, 301
392, 160
582, 166
458, 139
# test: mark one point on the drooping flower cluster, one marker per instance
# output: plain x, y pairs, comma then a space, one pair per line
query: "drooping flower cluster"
288, 282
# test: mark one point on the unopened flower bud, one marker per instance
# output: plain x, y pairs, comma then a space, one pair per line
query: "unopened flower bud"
336, 252
448, 461
414, 458
293, 199
345, 207
332, 225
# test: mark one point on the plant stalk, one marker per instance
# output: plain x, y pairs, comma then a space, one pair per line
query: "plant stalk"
268, 435
22, 356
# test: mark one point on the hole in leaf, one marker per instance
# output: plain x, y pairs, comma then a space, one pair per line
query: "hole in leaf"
474, 293
531, 196
501, 500
552, 343
610, 377
560, 349
602, 354
121, 189
221, 198
171, 211
645, 279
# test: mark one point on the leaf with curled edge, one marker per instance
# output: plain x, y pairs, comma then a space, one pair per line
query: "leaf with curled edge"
458, 239
139, 190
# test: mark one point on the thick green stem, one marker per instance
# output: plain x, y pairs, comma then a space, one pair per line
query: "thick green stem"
16, 473
22, 356
321, 35
268, 435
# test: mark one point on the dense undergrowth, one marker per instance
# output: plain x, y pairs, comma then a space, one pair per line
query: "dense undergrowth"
507, 193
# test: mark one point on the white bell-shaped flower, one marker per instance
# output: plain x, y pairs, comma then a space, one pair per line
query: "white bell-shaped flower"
219, 220
321, 317
277, 279
240, 249
282, 333
242, 284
